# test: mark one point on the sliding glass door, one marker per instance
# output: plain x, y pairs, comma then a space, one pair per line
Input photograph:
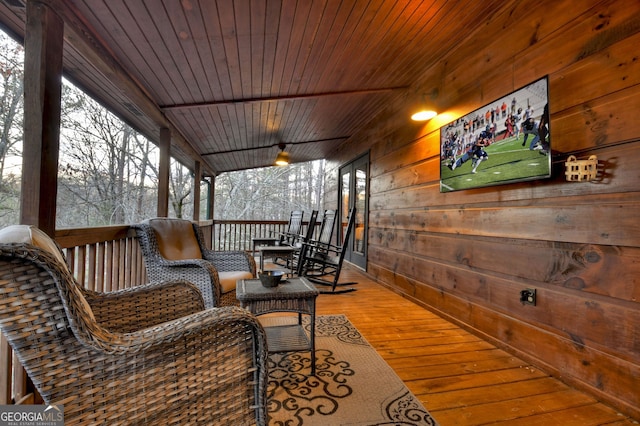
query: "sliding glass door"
354, 194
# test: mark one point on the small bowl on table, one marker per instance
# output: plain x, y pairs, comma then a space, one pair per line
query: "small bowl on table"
270, 278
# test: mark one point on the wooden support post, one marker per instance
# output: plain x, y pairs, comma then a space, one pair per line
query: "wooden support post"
6, 366
197, 179
43, 88
163, 172
211, 192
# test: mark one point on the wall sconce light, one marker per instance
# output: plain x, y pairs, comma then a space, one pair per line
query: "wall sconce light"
282, 159
425, 112
424, 115
581, 170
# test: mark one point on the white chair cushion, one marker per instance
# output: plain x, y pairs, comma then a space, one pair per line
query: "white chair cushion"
29, 234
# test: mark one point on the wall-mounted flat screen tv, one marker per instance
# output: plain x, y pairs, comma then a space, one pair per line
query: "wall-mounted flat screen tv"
506, 141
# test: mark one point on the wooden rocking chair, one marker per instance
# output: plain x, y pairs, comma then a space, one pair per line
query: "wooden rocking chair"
294, 229
321, 258
299, 242
324, 236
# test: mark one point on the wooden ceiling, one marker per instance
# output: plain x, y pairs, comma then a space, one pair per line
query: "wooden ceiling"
234, 78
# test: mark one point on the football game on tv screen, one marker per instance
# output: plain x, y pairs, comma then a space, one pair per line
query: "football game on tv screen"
503, 142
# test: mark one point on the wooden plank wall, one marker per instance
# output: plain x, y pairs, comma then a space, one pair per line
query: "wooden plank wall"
468, 254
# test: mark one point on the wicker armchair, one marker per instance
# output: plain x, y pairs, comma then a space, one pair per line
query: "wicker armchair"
147, 355
175, 249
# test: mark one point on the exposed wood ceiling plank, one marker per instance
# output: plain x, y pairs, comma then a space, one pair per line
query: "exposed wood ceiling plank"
213, 52
321, 52
293, 45
384, 44
305, 43
181, 50
230, 40
242, 19
433, 39
270, 45
334, 44
133, 43
197, 48
287, 13
257, 32
337, 72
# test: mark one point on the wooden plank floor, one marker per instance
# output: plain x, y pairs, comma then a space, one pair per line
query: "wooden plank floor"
460, 379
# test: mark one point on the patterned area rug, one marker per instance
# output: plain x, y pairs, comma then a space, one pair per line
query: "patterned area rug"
353, 385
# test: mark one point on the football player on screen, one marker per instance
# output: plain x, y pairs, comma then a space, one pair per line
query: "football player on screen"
476, 153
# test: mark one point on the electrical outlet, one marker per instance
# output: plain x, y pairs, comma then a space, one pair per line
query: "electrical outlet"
528, 296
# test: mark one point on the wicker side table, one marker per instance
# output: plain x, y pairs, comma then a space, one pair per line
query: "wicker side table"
294, 295
263, 241
285, 252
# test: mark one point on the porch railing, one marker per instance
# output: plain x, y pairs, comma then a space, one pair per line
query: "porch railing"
238, 234
103, 259
108, 258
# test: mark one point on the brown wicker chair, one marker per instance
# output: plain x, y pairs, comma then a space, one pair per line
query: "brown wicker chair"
175, 249
146, 355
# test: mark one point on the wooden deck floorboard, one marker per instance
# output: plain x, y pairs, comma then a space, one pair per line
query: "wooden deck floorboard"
460, 378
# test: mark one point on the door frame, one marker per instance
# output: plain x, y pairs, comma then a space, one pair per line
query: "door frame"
355, 257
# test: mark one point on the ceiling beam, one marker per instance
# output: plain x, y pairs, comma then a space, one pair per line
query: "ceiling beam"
280, 98
230, 151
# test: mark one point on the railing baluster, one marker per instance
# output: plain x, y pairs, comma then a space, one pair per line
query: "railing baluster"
70, 254
19, 379
92, 262
6, 378
110, 267
100, 267
238, 235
